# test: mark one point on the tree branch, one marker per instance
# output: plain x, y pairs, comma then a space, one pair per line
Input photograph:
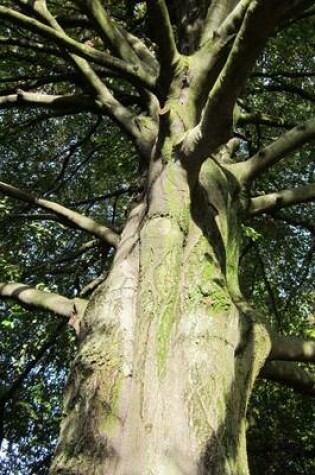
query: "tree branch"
248, 42
259, 19
289, 374
30, 297
280, 148
113, 107
29, 44
282, 199
292, 349
28, 82
234, 20
284, 88
104, 99
257, 118
142, 51
108, 31
219, 11
250, 39
130, 71
67, 104
81, 222
164, 38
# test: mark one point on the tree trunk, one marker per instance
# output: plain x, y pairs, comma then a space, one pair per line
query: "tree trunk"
169, 350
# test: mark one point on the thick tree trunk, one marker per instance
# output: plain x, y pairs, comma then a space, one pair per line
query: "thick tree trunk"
169, 350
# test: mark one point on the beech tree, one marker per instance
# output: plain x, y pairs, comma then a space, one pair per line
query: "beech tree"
169, 344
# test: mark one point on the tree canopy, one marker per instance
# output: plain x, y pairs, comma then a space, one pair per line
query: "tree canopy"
82, 89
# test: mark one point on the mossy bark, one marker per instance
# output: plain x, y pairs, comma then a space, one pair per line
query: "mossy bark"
169, 350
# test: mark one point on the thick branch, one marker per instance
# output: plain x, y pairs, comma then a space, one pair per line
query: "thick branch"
109, 33
289, 374
142, 51
282, 199
248, 42
285, 144
292, 349
113, 107
218, 12
234, 20
259, 20
163, 32
81, 222
250, 39
30, 297
67, 104
130, 71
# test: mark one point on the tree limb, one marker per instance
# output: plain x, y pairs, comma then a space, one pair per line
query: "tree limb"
249, 40
220, 15
113, 107
263, 119
67, 104
280, 148
289, 374
29, 44
130, 71
259, 19
282, 199
74, 218
142, 51
30, 297
163, 34
108, 31
234, 20
292, 349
